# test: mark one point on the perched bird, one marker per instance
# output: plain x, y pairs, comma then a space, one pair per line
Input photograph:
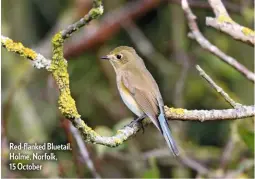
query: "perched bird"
139, 91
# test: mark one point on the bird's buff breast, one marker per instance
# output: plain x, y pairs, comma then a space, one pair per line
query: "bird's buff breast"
129, 100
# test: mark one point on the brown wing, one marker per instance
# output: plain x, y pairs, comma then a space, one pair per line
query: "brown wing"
143, 93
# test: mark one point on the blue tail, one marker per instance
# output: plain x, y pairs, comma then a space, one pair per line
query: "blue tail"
167, 134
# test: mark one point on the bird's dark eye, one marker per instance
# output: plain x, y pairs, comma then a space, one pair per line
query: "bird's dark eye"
119, 56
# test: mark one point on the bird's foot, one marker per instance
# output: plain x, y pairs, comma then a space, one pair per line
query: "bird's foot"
138, 120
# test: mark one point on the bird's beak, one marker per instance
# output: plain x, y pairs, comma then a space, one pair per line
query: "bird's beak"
105, 58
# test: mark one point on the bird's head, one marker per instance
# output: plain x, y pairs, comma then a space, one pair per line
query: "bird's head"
121, 56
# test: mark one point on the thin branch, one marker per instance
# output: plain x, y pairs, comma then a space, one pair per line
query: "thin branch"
235, 8
227, 155
193, 164
38, 61
172, 114
227, 152
94, 13
224, 23
109, 25
197, 35
218, 8
145, 47
217, 88
184, 159
233, 29
65, 123
84, 152
246, 164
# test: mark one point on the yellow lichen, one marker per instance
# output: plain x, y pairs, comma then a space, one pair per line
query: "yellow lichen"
89, 130
223, 18
119, 131
248, 31
57, 40
117, 141
67, 105
88, 133
94, 13
179, 111
59, 70
19, 48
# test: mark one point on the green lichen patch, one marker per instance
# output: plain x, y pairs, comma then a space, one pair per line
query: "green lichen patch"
94, 13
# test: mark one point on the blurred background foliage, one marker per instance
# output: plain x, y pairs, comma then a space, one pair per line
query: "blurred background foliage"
29, 96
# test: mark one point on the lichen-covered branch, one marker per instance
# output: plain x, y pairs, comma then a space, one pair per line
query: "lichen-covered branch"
198, 36
94, 13
125, 133
224, 23
58, 67
38, 61
209, 115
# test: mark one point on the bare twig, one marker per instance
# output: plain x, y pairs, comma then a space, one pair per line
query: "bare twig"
109, 26
184, 159
145, 47
84, 152
226, 155
243, 166
95, 12
224, 23
197, 35
65, 123
218, 8
180, 84
235, 8
217, 88
193, 164
230, 144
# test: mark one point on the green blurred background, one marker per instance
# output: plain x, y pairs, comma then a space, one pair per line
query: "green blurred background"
158, 31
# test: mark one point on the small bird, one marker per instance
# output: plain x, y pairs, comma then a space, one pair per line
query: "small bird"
139, 91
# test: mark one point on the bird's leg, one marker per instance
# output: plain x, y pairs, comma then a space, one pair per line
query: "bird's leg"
138, 120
